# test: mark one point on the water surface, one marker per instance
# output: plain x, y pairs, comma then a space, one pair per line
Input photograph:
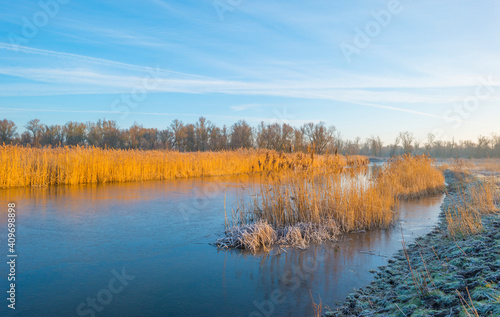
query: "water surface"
72, 238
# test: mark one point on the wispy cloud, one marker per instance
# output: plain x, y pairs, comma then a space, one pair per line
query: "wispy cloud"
105, 62
245, 107
81, 81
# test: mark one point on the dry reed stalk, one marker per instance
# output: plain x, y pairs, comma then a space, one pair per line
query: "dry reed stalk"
317, 308
419, 279
465, 304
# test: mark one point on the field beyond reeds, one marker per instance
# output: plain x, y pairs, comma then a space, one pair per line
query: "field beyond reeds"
303, 207
27, 166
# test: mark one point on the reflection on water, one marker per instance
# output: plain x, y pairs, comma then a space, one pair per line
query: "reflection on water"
71, 238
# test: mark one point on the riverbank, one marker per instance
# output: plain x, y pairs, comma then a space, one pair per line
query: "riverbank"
440, 274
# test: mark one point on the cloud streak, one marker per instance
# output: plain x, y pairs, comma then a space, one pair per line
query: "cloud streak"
106, 62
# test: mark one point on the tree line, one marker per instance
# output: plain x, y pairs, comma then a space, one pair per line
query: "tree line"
206, 136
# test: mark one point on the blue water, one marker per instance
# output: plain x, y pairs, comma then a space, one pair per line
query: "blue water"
143, 249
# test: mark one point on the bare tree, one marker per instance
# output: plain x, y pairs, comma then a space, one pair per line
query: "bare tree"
431, 138
190, 138
202, 134
319, 135
178, 132
7, 131
241, 135
52, 135
26, 138
483, 144
299, 141
407, 140
165, 139
394, 147
104, 134
74, 133
218, 138
275, 137
35, 128
495, 144
375, 145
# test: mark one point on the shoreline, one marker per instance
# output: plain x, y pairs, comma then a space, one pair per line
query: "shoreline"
442, 266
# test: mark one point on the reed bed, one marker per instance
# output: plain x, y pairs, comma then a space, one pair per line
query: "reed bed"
28, 166
333, 203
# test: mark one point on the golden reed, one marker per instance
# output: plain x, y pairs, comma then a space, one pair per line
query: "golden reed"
349, 200
27, 166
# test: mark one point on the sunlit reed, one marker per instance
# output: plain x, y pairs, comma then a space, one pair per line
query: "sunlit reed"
27, 166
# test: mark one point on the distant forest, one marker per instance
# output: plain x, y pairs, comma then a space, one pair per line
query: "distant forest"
206, 136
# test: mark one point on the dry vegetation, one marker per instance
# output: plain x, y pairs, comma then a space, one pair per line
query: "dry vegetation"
490, 166
475, 196
27, 166
328, 202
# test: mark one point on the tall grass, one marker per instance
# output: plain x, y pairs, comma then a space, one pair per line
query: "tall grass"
343, 202
26, 166
352, 200
474, 198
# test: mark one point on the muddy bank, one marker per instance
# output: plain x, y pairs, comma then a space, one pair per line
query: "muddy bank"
444, 274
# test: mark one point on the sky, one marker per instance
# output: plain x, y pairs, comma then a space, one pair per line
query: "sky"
366, 67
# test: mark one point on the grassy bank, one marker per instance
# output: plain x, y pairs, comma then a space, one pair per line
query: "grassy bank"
26, 166
453, 271
299, 207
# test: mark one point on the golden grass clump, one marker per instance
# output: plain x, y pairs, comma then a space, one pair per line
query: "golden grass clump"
484, 196
27, 166
342, 202
250, 237
462, 220
261, 235
412, 176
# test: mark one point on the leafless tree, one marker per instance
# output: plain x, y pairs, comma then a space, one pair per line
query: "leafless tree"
52, 135
241, 135
74, 133
407, 139
7, 131
319, 135
35, 128
202, 134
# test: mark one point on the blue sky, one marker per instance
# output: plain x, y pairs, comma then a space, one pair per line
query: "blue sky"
366, 67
